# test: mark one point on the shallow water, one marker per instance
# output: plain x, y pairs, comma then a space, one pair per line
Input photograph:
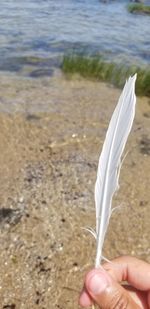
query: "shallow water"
34, 34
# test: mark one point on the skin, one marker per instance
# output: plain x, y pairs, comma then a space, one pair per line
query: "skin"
124, 283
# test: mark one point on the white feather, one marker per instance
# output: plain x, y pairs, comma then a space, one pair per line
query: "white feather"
110, 161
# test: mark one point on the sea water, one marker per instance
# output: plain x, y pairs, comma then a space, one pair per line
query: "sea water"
35, 34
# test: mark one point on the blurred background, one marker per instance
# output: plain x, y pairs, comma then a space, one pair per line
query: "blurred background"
63, 64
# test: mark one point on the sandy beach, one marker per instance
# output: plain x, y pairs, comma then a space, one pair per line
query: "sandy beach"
51, 134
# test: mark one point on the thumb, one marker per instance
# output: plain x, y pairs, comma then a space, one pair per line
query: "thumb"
106, 292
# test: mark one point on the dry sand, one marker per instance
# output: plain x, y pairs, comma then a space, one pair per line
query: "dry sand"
51, 133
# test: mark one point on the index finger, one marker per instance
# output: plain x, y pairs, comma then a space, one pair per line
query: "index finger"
126, 268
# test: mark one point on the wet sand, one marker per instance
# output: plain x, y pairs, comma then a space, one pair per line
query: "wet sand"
51, 133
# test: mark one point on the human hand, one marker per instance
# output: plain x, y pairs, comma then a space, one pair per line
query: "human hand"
106, 286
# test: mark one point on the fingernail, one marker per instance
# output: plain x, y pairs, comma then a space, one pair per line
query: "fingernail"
97, 283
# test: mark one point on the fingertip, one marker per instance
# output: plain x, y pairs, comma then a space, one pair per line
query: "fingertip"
84, 299
96, 281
